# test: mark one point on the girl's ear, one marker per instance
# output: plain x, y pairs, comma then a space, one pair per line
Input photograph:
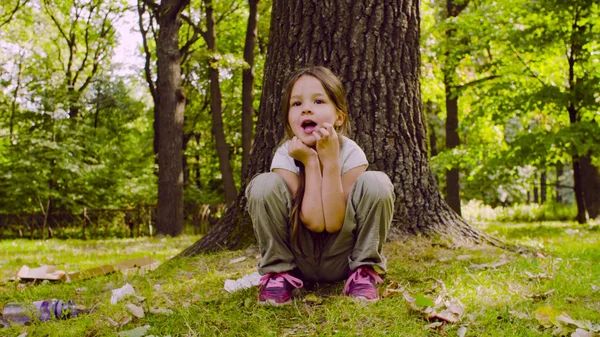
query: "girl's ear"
340, 118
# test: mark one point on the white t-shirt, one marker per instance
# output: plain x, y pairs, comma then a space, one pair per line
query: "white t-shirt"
351, 156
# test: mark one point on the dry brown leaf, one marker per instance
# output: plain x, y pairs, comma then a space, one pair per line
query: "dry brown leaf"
518, 314
392, 289
582, 333
239, 259
135, 310
446, 315
111, 321
568, 321
464, 257
411, 301
160, 311
489, 265
542, 296
124, 320
434, 325
532, 276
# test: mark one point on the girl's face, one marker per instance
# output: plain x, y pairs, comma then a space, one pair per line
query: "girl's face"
309, 108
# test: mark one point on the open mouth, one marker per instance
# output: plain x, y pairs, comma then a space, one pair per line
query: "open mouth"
309, 126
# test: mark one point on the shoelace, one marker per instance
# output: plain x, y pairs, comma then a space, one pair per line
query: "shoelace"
274, 280
362, 275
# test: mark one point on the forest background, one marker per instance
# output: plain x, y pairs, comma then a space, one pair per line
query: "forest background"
510, 92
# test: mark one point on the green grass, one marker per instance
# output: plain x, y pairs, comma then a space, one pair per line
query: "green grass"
193, 288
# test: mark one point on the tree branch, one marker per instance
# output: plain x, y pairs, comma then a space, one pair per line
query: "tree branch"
475, 82
147, 54
13, 12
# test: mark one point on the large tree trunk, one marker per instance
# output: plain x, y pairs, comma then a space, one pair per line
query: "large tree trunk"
374, 48
591, 188
171, 100
248, 84
216, 110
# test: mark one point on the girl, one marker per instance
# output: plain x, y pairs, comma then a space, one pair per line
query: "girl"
318, 216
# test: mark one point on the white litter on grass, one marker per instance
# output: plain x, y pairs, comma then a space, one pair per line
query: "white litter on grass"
247, 281
119, 294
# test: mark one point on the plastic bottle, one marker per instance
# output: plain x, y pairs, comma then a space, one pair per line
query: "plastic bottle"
46, 310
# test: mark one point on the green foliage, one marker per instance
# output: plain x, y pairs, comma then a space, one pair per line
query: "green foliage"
520, 120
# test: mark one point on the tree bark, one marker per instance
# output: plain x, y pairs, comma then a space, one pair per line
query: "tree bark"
374, 48
248, 84
543, 187
216, 109
171, 100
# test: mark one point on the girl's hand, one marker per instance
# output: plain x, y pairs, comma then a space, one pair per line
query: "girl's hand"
301, 152
328, 144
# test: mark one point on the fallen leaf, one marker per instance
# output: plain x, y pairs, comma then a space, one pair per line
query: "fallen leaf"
157, 287
160, 311
248, 302
489, 265
137, 332
446, 315
582, 333
111, 321
124, 320
393, 288
541, 296
422, 301
532, 276
312, 298
135, 310
239, 259
462, 331
434, 325
518, 314
464, 257
568, 321
595, 288
139, 299
546, 316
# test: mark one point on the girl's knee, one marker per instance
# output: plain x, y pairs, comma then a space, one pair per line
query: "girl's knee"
264, 184
376, 184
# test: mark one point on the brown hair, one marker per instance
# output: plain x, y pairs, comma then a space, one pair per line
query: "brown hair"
336, 93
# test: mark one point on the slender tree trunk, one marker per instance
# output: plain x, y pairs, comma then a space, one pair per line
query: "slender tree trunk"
452, 141
171, 100
216, 109
536, 196
543, 187
374, 48
591, 188
248, 84
574, 118
451, 84
559, 173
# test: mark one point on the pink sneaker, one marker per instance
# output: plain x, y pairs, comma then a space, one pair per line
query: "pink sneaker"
362, 284
277, 288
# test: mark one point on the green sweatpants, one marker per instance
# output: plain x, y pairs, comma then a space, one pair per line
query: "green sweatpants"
360, 241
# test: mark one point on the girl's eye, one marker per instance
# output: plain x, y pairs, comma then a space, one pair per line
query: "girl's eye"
319, 101
296, 104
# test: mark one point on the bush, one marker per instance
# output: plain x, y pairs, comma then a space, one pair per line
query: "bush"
476, 211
